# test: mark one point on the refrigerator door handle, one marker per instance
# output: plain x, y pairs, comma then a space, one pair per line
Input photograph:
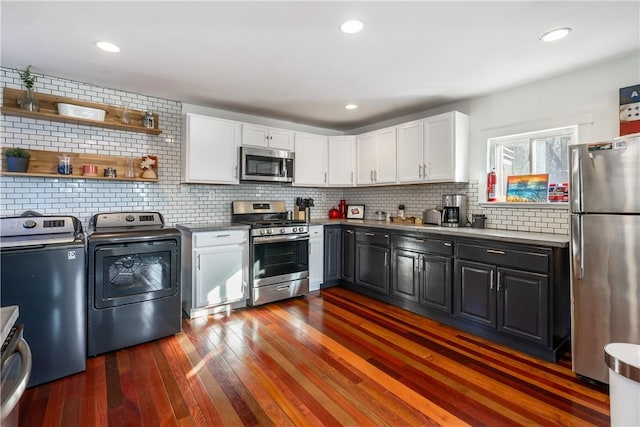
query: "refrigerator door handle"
577, 245
576, 184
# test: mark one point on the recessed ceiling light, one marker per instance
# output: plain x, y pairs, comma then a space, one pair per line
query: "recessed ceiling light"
554, 35
352, 26
351, 106
109, 47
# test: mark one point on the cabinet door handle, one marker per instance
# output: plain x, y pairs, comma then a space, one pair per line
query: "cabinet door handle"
447, 244
235, 171
498, 281
350, 231
491, 281
419, 171
375, 176
386, 236
352, 177
424, 170
494, 251
198, 261
371, 175
325, 177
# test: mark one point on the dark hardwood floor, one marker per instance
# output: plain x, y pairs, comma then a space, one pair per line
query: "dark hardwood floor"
336, 358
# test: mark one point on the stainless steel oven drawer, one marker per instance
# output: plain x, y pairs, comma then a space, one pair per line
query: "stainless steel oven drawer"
279, 291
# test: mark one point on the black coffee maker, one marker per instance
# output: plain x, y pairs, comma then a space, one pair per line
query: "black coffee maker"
454, 212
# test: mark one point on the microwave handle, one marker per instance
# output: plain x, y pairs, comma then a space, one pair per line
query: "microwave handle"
284, 173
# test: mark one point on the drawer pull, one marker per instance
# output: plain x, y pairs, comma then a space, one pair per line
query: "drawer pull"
447, 244
493, 251
369, 234
223, 235
283, 288
350, 231
386, 236
418, 240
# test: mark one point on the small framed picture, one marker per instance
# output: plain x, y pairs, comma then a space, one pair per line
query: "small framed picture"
355, 212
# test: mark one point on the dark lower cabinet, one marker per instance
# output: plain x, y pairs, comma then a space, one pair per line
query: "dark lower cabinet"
523, 310
372, 267
511, 293
348, 243
372, 258
406, 275
436, 282
476, 298
514, 302
332, 254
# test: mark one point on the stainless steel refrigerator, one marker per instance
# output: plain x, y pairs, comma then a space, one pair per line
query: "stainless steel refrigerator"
605, 250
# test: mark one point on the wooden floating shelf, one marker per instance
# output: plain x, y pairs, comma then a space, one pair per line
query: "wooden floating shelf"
44, 164
49, 111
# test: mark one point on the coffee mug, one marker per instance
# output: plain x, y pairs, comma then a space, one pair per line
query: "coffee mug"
110, 172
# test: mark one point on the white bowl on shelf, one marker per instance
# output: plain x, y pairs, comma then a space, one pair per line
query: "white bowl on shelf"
77, 111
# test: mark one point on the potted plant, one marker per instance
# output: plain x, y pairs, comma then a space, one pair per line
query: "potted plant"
29, 102
17, 159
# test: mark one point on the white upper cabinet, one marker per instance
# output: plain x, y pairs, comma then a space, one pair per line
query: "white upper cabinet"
410, 151
262, 136
342, 160
310, 164
376, 157
434, 149
446, 139
210, 150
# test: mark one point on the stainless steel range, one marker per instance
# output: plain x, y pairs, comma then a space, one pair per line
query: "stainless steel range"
279, 251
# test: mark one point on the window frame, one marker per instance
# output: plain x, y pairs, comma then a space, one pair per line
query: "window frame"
494, 144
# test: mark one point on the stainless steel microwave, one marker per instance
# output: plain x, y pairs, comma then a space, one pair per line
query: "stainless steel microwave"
265, 164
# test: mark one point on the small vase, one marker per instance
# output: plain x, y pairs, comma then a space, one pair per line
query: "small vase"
149, 174
17, 164
29, 102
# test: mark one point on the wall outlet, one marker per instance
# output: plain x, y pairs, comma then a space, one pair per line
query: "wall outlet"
212, 195
323, 197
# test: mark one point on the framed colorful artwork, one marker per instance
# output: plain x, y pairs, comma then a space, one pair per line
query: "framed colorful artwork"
528, 188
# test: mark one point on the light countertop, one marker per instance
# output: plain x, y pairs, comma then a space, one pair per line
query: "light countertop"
508, 236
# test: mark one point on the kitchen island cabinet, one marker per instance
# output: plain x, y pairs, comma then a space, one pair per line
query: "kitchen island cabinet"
348, 258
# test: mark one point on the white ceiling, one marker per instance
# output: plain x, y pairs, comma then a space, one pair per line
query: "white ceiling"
288, 60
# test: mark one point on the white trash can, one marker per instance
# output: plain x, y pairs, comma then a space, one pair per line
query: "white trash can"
623, 360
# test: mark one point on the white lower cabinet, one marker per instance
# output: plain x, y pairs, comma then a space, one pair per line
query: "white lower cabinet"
316, 256
215, 270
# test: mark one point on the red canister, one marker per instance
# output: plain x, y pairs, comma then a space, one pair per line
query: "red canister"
342, 207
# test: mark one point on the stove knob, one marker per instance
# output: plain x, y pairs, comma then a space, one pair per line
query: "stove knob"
269, 231
294, 229
262, 232
130, 218
282, 231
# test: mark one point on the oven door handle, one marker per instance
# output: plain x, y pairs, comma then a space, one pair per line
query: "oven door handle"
282, 238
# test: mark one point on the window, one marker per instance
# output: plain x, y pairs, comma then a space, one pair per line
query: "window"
542, 152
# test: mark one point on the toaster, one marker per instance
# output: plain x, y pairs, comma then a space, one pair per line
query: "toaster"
432, 216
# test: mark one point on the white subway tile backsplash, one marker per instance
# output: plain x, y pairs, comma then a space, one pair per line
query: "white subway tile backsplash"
191, 203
